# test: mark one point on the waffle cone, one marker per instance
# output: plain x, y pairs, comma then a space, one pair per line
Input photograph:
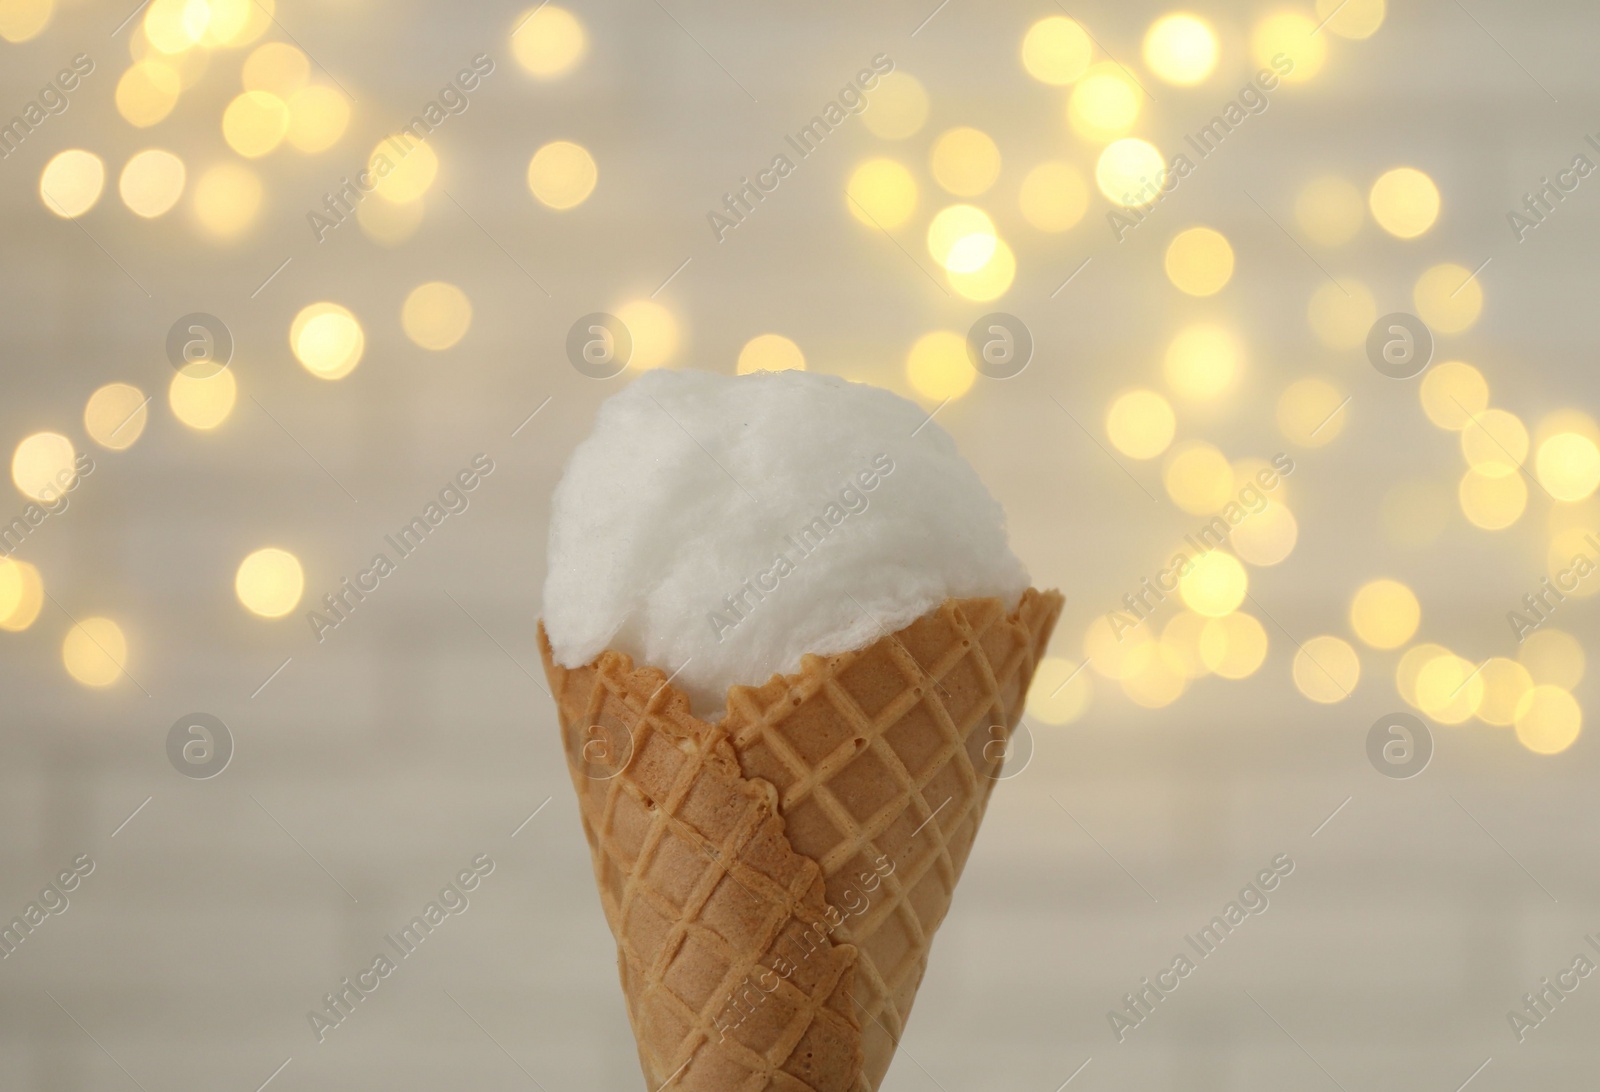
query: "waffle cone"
774, 880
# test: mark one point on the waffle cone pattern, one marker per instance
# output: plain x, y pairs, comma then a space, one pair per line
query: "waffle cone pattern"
774, 880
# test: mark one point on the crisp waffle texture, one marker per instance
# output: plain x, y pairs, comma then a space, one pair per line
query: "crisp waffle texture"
774, 880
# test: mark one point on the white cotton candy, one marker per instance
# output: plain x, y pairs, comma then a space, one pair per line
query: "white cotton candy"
720, 527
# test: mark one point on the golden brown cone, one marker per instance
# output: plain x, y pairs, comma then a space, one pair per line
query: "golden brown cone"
774, 880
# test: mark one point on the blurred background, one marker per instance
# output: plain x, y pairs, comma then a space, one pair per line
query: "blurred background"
234, 363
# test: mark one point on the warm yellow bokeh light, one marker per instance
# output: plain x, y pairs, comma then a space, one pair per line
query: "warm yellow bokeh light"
1233, 646
270, 582
1385, 613
22, 595
938, 368
227, 199
898, 107
1060, 692
1117, 650
147, 92
1056, 51
1199, 261
1410, 667
1267, 537
1492, 502
1202, 362
990, 280
1157, 680
1329, 210
1180, 643
436, 315
654, 331
1568, 466
21, 20
1215, 585
1548, 720
1553, 657
387, 223
1341, 314
1326, 669
71, 182
1104, 105
201, 396
277, 68
1181, 48
42, 466
1504, 683
562, 174
549, 42
1404, 202
255, 123
1141, 424
965, 161
1130, 172
1351, 18
1495, 442
962, 238
1453, 393
327, 340
1054, 196
115, 415
1310, 413
173, 26
1449, 688
1448, 298
233, 23
1294, 36
1198, 478
151, 182
770, 353
95, 651
881, 193
318, 117
403, 178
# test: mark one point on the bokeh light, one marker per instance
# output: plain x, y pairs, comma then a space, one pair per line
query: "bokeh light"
1495, 443
1293, 35
1215, 584
991, 279
1156, 679
1453, 393
549, 41
255, 123
1568, 466
1504, 683
1310, 413
151, 182
318, 117
115, 415
1233, 646
388, 223
1404, 202
1410, 666
21, 20
654, 331
562, 174
1385, 613
1202, 362
1060, 692
1180, 643
327, 340
962, 238
899, 107
1181, 48
95, 651
1351, 18
269, 582
770, 353
202, 396
1104, 104
1054, 196
1056, 51
1448, 298
881, 193
1553, 657
1341, 314
71, 182
227, 199
1141, 424
938, 368
1449, 688
1548, 720
436, 315
1199, 261
1492, 502
277, 68
174, 26
965, 161
1329, 210
21, 595
1198, 478
42, 466
147, 92
402, 176
1326, 669
1267, 537
1130, 172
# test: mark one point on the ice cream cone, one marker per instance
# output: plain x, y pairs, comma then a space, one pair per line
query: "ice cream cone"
774, 880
